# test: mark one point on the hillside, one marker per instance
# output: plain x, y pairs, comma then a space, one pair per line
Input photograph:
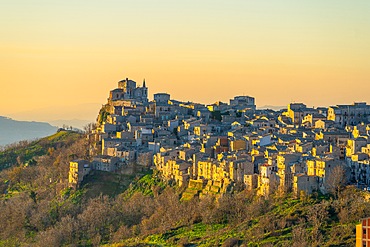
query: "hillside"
26, 151
243, 219
13, 131
115, 209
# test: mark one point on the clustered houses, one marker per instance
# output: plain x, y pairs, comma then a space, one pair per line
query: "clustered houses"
213, 148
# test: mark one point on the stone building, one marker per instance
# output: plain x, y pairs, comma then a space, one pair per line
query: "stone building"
349, 114
268, 181
297, 112
78, 169
243, 102
127, 95
105, 163
303, 183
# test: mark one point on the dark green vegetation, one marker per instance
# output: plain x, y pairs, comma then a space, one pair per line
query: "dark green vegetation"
38, 209
111, 184
217, 115
103, 114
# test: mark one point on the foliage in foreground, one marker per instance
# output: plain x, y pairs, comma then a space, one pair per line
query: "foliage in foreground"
38, 209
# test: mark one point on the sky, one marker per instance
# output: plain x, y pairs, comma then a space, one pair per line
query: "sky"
59, 59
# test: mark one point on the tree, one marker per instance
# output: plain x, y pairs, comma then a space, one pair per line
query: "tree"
336, 180
88, 128
299, 235
317, 216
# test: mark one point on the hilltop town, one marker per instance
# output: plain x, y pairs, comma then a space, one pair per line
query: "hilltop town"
212, 149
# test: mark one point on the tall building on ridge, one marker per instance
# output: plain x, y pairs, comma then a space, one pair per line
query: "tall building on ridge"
243, 102
127, 95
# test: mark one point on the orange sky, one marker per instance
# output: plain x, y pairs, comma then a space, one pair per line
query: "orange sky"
58, 60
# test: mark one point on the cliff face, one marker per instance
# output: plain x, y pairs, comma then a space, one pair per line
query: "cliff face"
12, 131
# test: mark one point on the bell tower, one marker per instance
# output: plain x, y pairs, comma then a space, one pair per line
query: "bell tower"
145, 91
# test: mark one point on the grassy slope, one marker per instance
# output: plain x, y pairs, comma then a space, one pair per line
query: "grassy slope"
112, 184
246, 232
35, 148
106, 183
198, 234
145, 184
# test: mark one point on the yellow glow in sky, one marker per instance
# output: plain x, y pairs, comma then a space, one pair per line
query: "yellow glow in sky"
59, 59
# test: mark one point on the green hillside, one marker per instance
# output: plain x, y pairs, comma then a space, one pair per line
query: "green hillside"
25, 151
115, 209
238, 221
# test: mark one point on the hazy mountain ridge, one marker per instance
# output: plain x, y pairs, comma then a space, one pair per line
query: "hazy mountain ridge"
75, 123
75, 115
272, 107
12, 130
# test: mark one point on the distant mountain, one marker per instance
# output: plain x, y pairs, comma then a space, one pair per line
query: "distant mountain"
13, 131
75, 115
272, 107
75, 123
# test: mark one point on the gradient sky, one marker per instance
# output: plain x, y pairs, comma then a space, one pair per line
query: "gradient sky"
59, 59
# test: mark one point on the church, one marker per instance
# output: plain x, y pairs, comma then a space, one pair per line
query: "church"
126, 96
